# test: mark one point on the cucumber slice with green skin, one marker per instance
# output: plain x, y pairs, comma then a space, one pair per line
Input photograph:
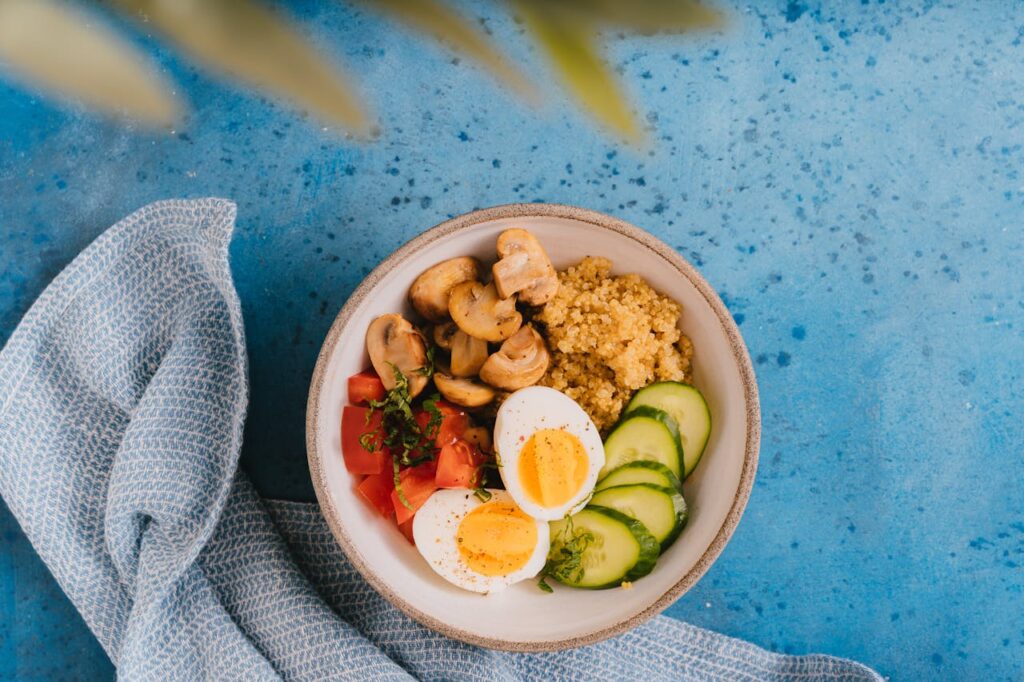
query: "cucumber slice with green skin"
662, 510
643, 471
666, 419
687, 407
642, 437
620, 548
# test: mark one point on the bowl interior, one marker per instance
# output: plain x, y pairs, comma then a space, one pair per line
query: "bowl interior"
524, 617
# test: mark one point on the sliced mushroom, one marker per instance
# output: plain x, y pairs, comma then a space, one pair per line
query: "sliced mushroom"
481, 313
393, 342
479, 436
468, 354
429, 293
524, 268
520, 362
464, 392
443, 334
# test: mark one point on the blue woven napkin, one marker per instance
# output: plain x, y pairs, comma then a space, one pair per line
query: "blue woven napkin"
122, 398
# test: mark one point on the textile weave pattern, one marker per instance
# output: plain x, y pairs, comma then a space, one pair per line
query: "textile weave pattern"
122, 401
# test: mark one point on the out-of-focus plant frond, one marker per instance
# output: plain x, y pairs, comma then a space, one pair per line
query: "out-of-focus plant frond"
440, 21
570, 42
245, 40
648, 16
49, 43
64, 51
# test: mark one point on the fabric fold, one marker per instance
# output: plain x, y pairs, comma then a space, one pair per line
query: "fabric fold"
122, 400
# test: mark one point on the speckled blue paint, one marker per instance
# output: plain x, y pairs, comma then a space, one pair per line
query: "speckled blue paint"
848, 177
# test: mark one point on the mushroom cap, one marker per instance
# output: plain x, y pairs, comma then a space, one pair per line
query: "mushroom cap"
468, 354
429, 292
524, 268
520, 362
481, 313
392, 342
463, 391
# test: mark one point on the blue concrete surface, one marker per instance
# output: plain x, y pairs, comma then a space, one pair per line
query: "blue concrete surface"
849, 178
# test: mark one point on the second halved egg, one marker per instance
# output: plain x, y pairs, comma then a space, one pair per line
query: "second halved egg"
549, 452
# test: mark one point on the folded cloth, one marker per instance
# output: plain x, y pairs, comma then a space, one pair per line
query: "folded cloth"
122, 398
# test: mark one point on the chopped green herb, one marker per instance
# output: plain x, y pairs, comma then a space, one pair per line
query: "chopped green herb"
565, 562
482, 494
492, 463
436, 416
427, 370
369, 441
401, 433
398, 488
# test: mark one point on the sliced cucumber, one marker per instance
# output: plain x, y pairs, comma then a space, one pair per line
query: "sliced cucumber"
661, 509
687, 407
643, 471
642, 437
619, 548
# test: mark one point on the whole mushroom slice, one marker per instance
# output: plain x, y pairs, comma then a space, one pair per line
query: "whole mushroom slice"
429, 292
520, 362
393, 342
524, 268
462, 391
481, 313
444, 333
468, 354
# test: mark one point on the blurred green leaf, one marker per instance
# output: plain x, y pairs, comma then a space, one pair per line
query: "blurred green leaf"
648, 16
446, 25
50, 44
247, 41
570, 42
66, 52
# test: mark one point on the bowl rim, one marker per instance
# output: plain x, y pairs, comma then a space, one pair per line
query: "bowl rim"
597, 219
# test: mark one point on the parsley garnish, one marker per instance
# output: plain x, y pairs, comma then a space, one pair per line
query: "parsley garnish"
400, 431
427, 370
565, 562
398, 487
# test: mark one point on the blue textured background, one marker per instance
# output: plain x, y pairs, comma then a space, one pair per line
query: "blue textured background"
849, 179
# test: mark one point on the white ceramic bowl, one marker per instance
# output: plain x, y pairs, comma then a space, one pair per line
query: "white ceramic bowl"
523, 618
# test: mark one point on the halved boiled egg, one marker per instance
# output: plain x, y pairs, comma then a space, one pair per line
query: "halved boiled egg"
480, 546
549, 452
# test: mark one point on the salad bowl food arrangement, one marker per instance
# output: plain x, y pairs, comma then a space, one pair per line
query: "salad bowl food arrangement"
533, 427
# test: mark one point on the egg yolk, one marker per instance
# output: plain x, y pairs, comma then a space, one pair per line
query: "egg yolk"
553, 466
496, 538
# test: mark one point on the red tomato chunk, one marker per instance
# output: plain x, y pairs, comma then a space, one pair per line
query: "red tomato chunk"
359, 460
364, 387
406, 529
417, 485
376, 489
454, 423
458, 465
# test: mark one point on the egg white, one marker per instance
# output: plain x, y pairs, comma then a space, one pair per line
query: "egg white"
524, 413
435, 526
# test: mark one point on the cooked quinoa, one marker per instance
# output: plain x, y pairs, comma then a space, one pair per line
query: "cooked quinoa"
609, 336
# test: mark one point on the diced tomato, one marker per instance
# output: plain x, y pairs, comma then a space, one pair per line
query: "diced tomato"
458, 465
364, 387
359, 460
453, 425
406, 529
454, 421
417, 485
376, 489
